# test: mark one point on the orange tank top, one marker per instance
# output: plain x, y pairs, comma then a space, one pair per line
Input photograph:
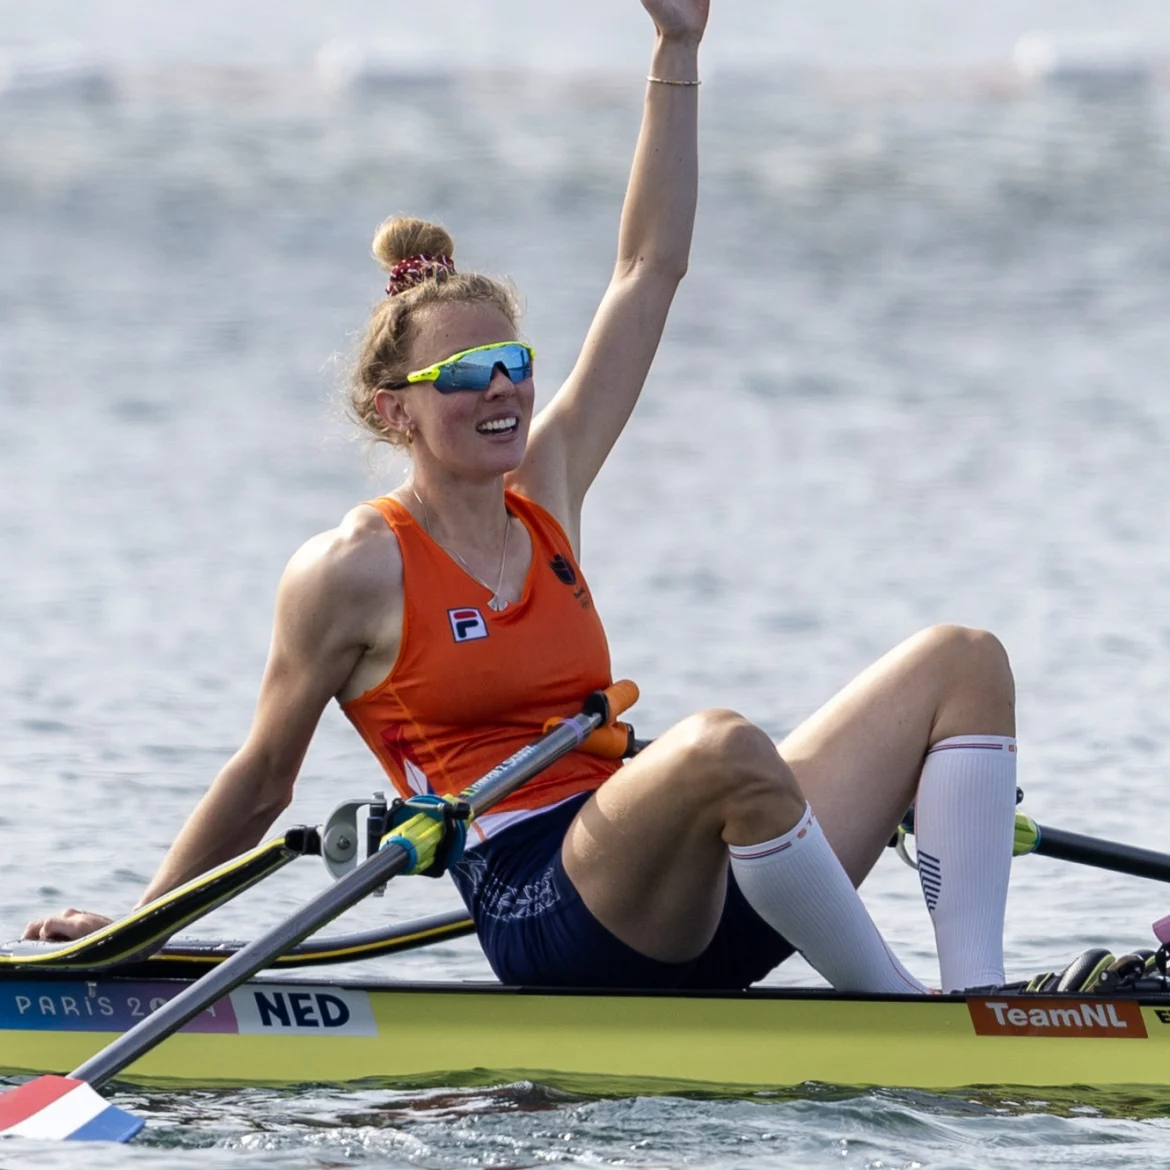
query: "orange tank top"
472, 685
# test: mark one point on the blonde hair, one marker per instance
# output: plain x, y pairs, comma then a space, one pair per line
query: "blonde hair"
383, 358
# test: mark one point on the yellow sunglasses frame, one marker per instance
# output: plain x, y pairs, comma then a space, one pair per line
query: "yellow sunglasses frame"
431, 373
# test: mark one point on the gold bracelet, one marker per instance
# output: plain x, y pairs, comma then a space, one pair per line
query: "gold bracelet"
669, 81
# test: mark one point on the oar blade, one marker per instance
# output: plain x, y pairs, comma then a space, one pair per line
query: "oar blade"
62, 1109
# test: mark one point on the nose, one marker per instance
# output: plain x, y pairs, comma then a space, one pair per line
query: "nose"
501, 384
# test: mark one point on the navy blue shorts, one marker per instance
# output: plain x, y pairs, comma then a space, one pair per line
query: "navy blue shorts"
536, 931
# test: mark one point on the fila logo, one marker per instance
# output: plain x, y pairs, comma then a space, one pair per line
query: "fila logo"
467, 624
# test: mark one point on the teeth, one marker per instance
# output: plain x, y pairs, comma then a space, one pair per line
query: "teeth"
498, 424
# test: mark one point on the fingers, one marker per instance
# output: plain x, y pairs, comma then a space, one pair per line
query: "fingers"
70, 924
46, 930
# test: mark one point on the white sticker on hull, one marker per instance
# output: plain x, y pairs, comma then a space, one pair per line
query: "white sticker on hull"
265, 1009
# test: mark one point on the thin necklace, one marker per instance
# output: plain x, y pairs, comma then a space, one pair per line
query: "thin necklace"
497, 602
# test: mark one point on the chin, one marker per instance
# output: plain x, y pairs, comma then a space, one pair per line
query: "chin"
502, 461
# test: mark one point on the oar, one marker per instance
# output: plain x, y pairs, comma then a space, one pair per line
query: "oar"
1045, 841
422, 932
69, 1108
141, 931
189, 958
1129, 859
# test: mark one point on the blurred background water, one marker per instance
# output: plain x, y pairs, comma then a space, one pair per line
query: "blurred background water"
917, 374
521, 35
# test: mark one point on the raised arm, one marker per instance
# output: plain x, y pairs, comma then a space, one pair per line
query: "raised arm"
573, 435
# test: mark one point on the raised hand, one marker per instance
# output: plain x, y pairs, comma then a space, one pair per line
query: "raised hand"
681, 20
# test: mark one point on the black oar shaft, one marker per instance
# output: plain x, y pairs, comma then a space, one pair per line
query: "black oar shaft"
1110, 855
368, 876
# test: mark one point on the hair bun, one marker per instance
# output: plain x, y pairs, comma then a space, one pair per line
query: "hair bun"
402, 237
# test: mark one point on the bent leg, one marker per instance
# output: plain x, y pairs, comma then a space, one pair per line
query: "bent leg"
947, 691
648, 855
858, 759
648, 852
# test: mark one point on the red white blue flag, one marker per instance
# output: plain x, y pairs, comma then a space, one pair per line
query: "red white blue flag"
63, 1109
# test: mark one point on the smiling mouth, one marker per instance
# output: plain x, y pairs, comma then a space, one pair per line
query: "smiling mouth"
499, 426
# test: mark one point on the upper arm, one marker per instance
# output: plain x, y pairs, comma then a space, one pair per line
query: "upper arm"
325, 614
574, 434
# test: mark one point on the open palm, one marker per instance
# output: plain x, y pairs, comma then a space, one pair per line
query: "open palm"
679, 19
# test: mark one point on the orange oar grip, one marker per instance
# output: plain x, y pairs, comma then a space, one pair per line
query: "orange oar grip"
609, 742
622, 695
613, 740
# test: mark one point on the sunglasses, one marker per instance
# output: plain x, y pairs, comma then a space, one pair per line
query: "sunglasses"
474, 369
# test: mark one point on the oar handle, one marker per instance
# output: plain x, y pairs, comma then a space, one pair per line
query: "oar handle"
611, 739
600, 708
618, 698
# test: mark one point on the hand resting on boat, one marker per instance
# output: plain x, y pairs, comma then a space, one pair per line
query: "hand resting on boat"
66, 926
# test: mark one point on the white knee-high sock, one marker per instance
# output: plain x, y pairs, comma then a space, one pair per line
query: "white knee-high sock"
964, 820
798, 887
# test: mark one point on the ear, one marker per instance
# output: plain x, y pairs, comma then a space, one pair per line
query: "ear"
394, 413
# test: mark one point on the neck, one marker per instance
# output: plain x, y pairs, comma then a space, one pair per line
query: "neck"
471, 516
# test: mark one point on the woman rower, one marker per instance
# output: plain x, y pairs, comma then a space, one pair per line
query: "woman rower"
450, 618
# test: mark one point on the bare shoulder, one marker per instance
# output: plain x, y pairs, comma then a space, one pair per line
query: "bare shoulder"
348, 575
359, 554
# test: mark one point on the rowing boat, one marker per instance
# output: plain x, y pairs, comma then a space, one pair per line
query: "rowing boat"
270, 1032
102, 1007
125, 1001
61, 1003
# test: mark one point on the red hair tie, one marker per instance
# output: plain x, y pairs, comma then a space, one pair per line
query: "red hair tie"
415, 269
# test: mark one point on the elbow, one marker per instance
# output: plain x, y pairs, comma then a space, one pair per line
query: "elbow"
661, 268
269, 802
274, 794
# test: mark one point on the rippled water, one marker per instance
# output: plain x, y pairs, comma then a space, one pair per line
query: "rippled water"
917, 373
526, 1125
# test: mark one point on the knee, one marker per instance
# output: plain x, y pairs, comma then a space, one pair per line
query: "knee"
970, 660
724, 743
735, 766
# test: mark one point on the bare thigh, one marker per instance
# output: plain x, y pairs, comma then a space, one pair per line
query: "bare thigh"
648, 851
859, 757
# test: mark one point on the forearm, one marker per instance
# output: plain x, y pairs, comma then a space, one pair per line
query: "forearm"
232, 817
659, 212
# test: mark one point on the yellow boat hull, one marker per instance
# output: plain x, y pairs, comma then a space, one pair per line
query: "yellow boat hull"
289, 1033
